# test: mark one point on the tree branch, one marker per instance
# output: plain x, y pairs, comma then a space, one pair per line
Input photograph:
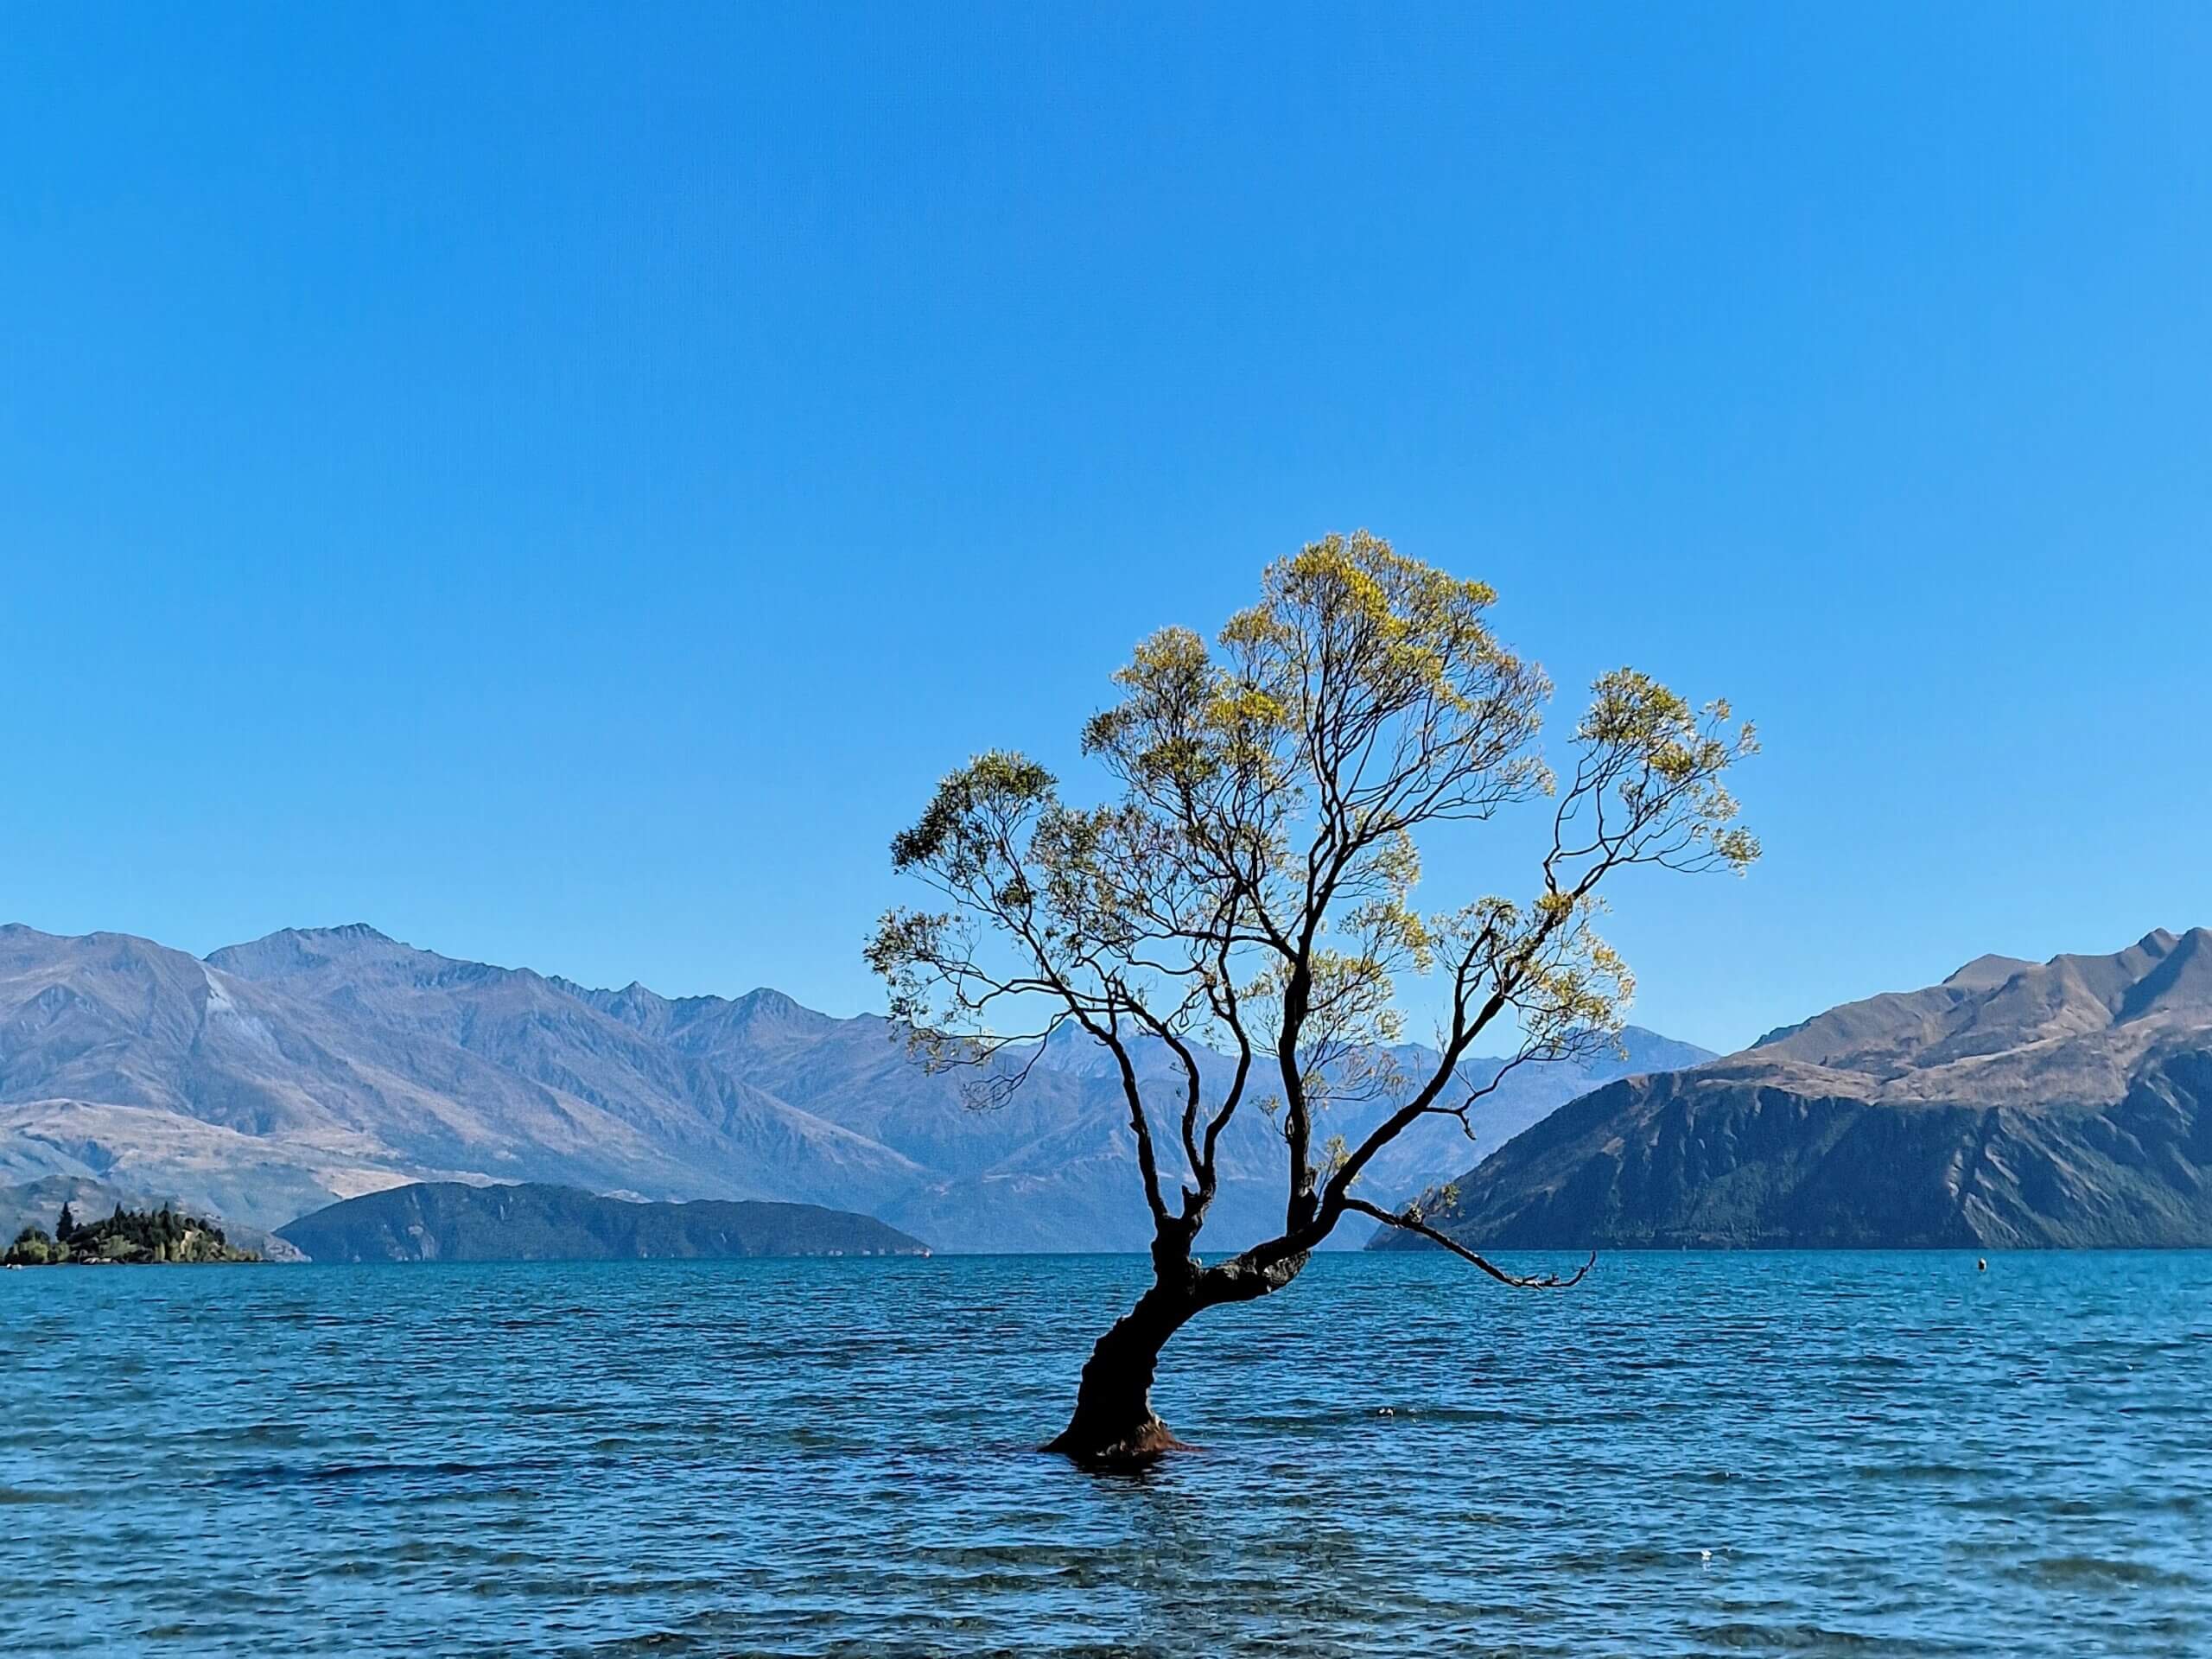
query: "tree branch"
1518, 1280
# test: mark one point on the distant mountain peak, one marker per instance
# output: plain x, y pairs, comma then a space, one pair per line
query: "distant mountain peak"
2002, 1030
303, 945
766, 1000
1987, 970
2161, 943
344, 933
763, 1011
103, 938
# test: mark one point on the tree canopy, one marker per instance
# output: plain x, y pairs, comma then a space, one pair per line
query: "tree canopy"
1249, 881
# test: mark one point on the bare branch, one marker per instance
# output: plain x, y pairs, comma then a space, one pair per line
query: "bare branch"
1518, 1280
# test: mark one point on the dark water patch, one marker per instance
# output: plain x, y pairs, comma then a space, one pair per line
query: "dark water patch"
1794, 1638
1914, 1472
282, 1474
2091, 1570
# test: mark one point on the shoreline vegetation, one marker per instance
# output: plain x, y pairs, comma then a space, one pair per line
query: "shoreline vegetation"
128, 1238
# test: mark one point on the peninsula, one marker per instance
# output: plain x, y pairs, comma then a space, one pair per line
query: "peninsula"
135, 1236
452, 1220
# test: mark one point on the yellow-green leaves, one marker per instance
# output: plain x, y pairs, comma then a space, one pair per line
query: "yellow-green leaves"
1350, 630
1186, 724
1658, 765
974, 809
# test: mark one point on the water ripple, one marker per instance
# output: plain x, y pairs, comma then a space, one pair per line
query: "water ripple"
1837, 1454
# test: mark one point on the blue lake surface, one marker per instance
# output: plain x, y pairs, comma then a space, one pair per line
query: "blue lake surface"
1688, 1455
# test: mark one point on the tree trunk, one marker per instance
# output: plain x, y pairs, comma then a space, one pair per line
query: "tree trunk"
1114, 1425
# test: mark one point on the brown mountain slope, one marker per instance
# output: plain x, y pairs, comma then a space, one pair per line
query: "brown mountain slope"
330, 1064
2065, 1103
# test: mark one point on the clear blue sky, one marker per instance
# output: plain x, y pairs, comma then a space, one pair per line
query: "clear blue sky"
559, 484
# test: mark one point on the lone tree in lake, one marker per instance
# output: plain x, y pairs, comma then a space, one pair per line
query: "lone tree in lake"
1250, 887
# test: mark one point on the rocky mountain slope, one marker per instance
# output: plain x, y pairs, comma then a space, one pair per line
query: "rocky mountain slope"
272, 1078
2064, 1104
448, 1220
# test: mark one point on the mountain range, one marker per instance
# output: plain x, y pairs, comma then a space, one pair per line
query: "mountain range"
2060, 1104
269, 1079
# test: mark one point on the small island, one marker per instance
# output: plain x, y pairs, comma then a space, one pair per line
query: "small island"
128, 1236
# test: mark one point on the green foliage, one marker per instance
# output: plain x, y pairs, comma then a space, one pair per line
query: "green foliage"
32, 1248
127, 1235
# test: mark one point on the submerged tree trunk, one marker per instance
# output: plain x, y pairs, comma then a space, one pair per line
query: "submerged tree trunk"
1114, 1424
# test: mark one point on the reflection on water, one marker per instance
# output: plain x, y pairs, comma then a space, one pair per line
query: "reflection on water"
1689, 1454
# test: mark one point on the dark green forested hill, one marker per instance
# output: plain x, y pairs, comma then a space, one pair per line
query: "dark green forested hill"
451, 1221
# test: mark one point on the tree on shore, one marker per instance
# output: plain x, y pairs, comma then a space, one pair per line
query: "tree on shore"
163, 1235
1248, 886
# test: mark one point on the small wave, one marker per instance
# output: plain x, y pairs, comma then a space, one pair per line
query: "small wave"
1913, 1472
1795, 1639
286, 1474
2077, 1570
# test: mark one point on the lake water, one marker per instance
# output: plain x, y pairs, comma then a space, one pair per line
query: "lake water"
1735, 1454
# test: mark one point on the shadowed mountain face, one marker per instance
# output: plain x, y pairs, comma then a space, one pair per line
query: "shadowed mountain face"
2064, 1104
322, 1064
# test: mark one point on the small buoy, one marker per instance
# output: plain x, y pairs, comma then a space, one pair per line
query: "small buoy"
1981, 1264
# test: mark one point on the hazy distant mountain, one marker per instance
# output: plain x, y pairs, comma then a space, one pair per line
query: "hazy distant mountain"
2064, 1103
447, 1221
322, 1064
308, 1066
